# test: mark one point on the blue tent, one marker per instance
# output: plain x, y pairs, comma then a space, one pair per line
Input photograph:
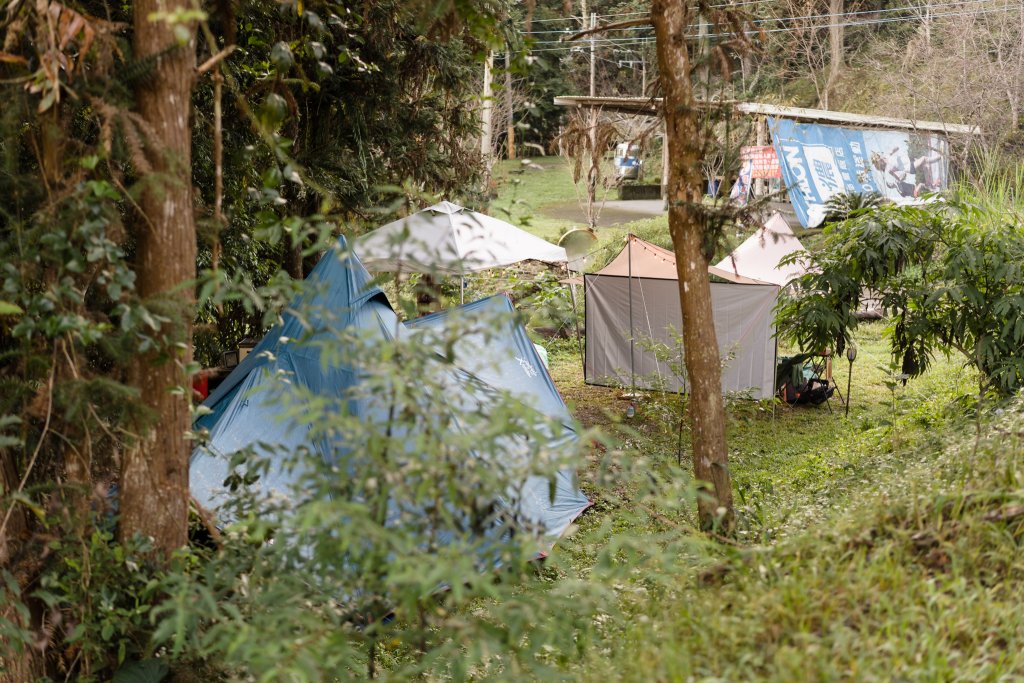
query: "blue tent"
249, 408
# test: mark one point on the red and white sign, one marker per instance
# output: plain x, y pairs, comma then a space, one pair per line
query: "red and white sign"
765, 162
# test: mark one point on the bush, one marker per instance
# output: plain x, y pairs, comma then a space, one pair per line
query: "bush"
949, 273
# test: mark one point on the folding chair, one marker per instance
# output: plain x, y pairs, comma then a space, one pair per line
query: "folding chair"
798, 379
822, 368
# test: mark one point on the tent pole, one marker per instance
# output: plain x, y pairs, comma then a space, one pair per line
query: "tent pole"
629, 278
775, 373
576, 319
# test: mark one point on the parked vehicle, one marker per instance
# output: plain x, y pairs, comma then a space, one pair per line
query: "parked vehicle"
627, 161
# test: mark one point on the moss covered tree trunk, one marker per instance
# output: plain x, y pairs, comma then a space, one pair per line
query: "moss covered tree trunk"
154, 474
688, 227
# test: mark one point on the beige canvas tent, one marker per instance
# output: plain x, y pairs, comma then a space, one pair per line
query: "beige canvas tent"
756, 261
635, 298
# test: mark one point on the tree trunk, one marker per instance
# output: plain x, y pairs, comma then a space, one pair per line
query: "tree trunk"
688, 227
154, 474
293, 260
11, 534
836, 37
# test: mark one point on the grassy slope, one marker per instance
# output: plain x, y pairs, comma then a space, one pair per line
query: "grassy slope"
524, 193
537, 200
868, 550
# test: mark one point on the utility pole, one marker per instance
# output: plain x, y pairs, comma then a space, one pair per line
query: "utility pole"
703, 66
593, 86
928, 24
510, 138
836, 33
643, 73
486, 105
593, 56
761, 125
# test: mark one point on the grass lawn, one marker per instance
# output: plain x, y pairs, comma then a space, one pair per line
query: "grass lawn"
880, 546
524, 193
545, 200
883, 546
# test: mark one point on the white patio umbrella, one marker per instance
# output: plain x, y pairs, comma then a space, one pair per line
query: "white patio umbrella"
447, 239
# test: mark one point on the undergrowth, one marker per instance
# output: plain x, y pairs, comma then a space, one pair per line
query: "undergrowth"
885, 546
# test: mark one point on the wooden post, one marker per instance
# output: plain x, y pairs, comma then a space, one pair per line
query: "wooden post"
510, 139
761, 124
643, 73
664, 163
486, 107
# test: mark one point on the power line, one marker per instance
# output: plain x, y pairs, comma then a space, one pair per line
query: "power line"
576, 19
768, 20
868, 22
740, 3
909, 8
790, 29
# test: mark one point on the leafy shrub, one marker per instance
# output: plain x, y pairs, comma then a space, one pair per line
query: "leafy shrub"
950, 274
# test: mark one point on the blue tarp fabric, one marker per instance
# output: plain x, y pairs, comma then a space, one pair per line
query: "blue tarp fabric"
247, 409
819, 162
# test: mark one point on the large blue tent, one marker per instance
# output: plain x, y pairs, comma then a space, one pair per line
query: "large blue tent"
249, 409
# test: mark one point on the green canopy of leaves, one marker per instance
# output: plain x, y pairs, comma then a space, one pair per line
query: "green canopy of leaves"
948, 273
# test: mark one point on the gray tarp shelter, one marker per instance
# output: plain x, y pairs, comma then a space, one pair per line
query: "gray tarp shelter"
250, 408
636, 298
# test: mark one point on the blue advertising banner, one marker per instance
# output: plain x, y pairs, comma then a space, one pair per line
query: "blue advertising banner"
819, 162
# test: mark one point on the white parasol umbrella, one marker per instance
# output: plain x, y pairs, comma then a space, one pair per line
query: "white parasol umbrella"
447, 239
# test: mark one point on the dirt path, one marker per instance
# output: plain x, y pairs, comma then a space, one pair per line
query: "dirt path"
613, 213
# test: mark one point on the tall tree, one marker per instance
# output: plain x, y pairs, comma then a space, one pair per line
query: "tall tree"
154, 473
692, 135
692, 131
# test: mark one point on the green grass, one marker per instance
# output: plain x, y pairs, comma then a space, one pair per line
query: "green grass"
864, 550
540, 200
523, 194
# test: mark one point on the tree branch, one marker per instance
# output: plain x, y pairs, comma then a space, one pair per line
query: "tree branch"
643, 21
39, 445
215, 59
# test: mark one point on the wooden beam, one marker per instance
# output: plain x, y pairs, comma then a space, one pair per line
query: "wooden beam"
627, 105
823, 116
652, 107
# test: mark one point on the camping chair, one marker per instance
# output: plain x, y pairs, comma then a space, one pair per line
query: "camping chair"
798, 379
822, 365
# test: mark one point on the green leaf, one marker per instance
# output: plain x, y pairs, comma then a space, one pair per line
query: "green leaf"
142, 671
9, 309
